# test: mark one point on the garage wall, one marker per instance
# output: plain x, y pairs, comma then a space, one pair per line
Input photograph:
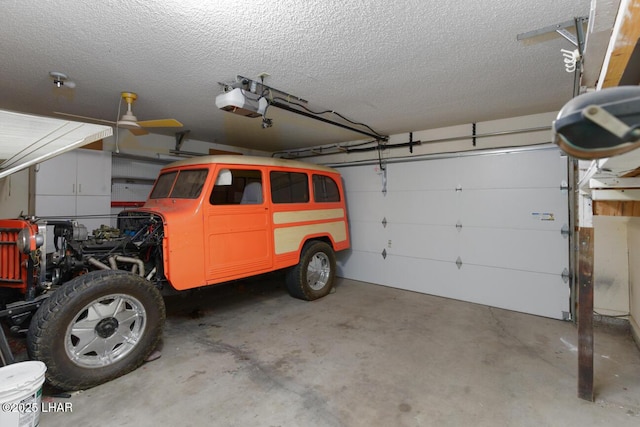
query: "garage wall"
512, 253
634, 275
611, 263
14, 194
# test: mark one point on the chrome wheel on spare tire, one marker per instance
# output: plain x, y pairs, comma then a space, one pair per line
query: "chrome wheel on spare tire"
95, 328
313, 276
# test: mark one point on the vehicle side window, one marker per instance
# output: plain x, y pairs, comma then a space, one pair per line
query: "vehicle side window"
289, 187
245, 188
325, 189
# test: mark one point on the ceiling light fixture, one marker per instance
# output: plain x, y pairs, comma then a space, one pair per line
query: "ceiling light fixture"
600, 124
61, 79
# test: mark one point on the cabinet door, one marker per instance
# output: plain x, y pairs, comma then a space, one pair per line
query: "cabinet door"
93, 176
57, 176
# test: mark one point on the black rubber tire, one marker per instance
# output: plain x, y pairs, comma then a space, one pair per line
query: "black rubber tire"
46, 339
296, 278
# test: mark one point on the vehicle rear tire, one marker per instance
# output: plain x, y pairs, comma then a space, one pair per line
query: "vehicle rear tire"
313, 276
95, 328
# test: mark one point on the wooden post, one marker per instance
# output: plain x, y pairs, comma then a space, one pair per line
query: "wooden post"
585, 314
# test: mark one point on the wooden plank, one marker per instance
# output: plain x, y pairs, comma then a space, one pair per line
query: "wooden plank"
96, 145
585, 314
616, 208
601, 21
621, 194
614, 182
213, 151
624, 40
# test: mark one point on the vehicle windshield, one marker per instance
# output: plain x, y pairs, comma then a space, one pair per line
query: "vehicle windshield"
185, 184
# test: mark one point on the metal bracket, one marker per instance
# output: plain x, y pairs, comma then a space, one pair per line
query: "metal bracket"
558, 28
458, 188
180, 138
384, 222
568, 36
384, 254
565, 231
459, 263
459, 225
384, 179
564, 186
566, 275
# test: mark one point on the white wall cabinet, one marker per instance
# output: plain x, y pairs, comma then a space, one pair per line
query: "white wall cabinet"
75, 185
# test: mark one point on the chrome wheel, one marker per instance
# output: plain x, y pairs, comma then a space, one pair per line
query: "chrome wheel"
318, 271
105, 330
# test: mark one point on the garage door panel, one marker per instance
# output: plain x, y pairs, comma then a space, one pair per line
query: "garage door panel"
420, 176
514, 249
366, 205
429, 242
521, 291
427, 276
365, 266
367, 236
533, 208
422, 207
362, 178
504, 223
543, 168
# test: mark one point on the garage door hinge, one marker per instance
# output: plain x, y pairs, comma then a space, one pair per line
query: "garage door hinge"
459, 225
384, 254
459, 188
459, 263
565, 230
564, 186
566, 275
384, 222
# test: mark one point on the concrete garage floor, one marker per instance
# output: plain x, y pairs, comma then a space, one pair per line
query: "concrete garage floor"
247, 354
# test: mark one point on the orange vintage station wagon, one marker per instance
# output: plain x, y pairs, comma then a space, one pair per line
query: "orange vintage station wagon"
93, 310
228, 217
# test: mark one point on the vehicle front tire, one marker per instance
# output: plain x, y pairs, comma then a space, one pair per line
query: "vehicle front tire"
313, 276
95, 328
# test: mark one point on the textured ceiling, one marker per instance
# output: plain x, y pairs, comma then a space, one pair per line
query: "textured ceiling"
397, 66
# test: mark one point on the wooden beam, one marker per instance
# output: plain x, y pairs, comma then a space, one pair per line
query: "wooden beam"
621, 194
614, 182
616, 208
585, 314
626, 34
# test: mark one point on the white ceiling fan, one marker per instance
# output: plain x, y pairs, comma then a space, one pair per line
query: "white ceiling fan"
129, 121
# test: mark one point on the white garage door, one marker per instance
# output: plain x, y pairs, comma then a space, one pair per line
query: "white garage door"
483, 228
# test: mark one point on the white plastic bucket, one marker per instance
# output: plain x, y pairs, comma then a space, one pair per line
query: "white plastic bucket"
21, 394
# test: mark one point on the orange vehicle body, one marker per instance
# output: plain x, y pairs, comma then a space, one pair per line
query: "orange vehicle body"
217, 237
